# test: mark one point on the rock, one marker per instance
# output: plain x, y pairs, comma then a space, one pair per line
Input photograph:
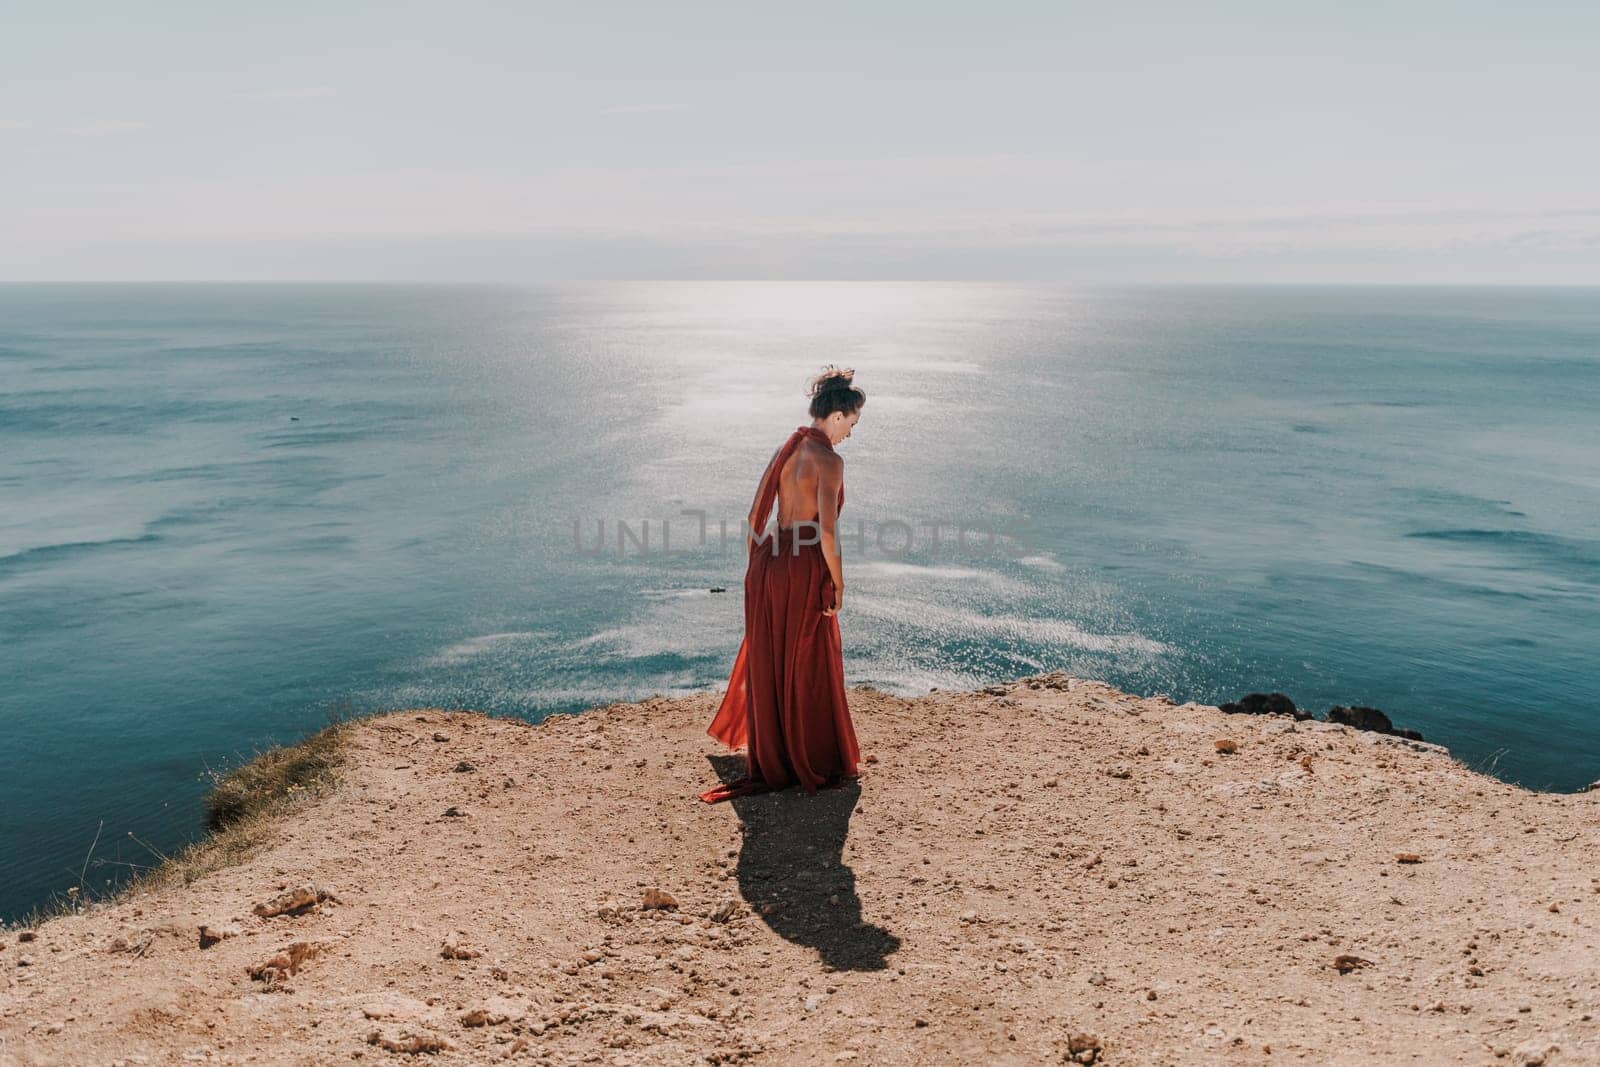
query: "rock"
439, 735
1407, 857
453, 949
1120, 770
1227, 747
1264, 704
995, 690
1364, 718
296, 901
210, 934
1344, 964
25, 936
725, 911
464, 767
1083, 1048
286, 963
1097, 978
406, 1041
660, 899
1533, 1053
453, 812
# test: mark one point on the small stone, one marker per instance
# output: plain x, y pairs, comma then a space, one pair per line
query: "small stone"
1533, 1053
464, 767
453, 949
1407, 857
1097, 978
210, 934
286, 963
296, 901
1227, 747
440, 736
659, 899
1344, 964
483, 1017
412, 1043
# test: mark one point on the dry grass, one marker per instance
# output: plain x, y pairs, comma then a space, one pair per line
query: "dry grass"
241, 809
244, 802
276, 777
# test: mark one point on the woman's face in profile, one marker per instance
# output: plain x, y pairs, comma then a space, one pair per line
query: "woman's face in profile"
844, 425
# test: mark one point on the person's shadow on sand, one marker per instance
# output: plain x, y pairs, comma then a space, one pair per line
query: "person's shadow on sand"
792, 874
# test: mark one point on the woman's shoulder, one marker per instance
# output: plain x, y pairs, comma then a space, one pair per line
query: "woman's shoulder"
824, 454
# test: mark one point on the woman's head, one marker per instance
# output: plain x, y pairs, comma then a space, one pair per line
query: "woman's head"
835, 401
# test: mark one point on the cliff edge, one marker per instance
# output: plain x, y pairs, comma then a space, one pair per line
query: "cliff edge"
1048, 871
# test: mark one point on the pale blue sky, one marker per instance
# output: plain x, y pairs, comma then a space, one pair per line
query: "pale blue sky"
519, 141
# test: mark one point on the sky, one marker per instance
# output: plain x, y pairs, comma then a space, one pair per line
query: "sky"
520, 142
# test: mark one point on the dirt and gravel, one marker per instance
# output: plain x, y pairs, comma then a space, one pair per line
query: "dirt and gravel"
1049, 871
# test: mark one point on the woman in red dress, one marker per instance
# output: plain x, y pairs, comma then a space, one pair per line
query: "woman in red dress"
785, 703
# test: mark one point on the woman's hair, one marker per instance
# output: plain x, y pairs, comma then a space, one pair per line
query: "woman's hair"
832, 391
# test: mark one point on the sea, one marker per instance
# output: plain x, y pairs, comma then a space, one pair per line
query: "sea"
230, 513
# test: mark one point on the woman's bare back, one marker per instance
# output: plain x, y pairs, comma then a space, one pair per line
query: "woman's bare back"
797, 484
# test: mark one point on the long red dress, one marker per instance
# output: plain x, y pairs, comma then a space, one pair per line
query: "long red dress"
785, 702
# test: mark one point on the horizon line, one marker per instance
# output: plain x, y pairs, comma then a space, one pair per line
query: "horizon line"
1086, 283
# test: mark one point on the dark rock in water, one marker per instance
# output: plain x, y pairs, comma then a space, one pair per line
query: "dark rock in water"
1264, 704
719, 589
1363, 718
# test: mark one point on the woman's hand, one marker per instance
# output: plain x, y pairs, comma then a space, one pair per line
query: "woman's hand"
838, 602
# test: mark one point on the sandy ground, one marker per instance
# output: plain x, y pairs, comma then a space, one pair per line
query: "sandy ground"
1012, 870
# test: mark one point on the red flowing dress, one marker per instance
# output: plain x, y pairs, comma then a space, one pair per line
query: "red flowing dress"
785, 703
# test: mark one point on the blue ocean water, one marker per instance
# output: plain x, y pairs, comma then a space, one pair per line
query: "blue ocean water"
226, 509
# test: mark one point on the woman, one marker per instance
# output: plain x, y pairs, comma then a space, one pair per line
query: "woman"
785, 702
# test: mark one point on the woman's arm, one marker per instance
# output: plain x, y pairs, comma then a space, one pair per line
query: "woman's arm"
828, 481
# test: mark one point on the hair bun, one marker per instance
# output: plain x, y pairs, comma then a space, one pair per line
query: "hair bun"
832, 378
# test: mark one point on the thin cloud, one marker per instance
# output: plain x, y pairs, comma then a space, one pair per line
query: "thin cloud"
642, 109
273, 96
